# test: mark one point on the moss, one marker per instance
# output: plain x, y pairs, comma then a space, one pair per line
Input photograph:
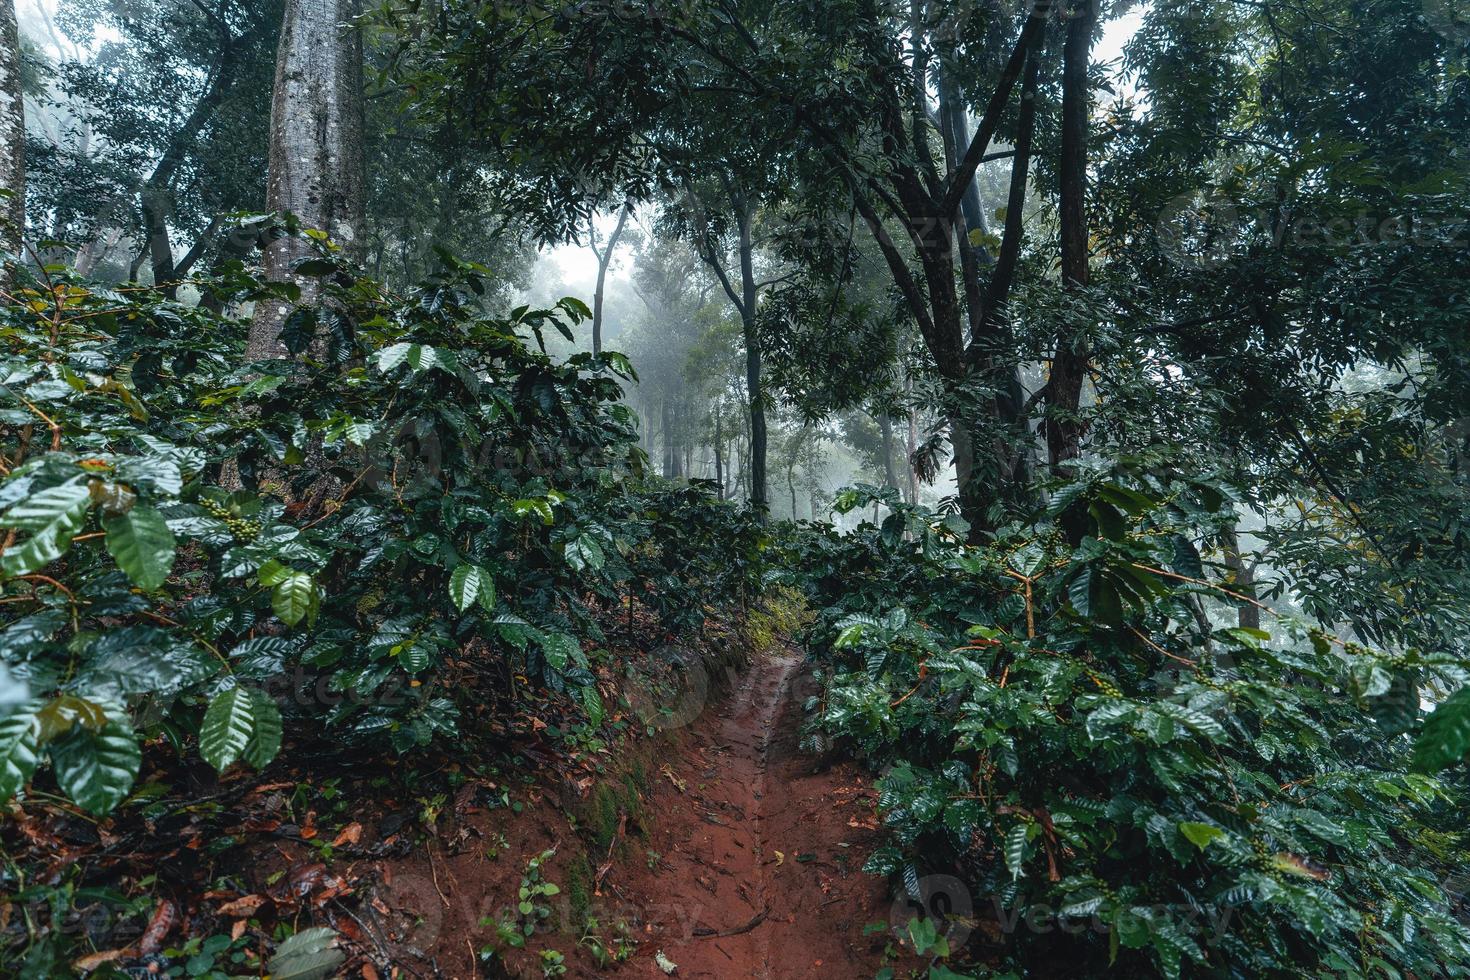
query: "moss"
579, 891
603, 810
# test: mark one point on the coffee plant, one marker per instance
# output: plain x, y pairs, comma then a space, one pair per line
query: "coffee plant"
223, 553
1121, 776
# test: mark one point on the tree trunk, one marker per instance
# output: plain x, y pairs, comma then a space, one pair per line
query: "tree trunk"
885, 429
316, 152
1242, 579
666, 424
912, 446
604, 258
719, 455
759, 502
12, 135
1064, 389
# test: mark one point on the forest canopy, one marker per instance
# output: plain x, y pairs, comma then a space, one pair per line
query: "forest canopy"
1070, 398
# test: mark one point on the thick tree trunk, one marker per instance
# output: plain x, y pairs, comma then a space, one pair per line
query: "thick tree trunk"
1064, 389
12, 135
157, 204
1243, 579
316, 152
885, 431
1069, 366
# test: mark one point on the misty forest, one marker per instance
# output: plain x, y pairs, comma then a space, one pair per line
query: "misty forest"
734, 489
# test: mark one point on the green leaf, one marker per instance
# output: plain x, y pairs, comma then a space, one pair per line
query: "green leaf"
414, 658
227, 726
96, 769
20, 748
265, 735
390, 357
468, 584
308, 955
272, 573
359, 432
1080, 592
142, 545
561, 649
584, 552
54, 515
299, 329
294, 597
422, 357
1200, 834
1015, 849
1445, 738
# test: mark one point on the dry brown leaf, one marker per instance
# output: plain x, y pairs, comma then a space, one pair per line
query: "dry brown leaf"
92, 961
350, 834
245, 906
164, 917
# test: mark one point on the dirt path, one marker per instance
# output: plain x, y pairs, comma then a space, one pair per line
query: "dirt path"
760, 851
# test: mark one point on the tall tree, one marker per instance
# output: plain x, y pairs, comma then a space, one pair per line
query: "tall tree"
316, 148
12, 134
161, 128
1069, 365
604, 256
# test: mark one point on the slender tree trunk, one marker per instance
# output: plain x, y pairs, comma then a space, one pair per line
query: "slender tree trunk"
911, 445
138, 260
604, 259
666, 423
316, 152
719, 454
12, 135
759, 502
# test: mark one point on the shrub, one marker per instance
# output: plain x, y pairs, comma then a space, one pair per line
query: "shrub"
346, 539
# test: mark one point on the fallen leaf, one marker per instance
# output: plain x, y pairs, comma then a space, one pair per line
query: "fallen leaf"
243, 907
350, 834
164, 917
92, 961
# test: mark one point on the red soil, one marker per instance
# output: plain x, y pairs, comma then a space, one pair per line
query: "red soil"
757, 875
761, 855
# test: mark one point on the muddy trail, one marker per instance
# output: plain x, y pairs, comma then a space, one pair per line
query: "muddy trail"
741, 858
760, 848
